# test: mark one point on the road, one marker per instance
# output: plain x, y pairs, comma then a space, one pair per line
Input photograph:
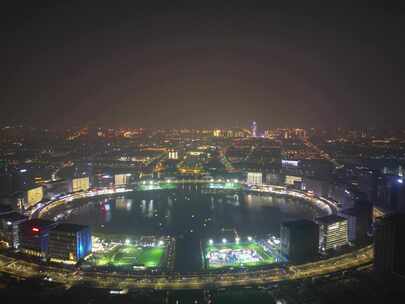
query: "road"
23, 269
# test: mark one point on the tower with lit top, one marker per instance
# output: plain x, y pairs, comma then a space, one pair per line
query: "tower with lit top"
254, 129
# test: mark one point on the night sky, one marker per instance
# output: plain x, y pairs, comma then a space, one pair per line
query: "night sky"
185, 66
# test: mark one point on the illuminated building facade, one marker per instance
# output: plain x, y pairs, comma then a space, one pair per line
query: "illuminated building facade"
333, 232
389, 245
33, 196
173, 154
217, 133
80, 184
293, 180
69, 243
254, 178
299, 240
122, 179
34, 236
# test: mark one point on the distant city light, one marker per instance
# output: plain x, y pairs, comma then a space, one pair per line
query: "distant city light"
237, 240
127, 241
23, 170
400, 180
35, 229
250, 238
293, 163
210, 242
224, 240
161, 243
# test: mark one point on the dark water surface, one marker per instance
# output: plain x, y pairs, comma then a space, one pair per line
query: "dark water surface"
190, 214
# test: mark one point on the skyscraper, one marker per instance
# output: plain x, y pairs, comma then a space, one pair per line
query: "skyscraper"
389, 247
359, 221
299, 240
333, 232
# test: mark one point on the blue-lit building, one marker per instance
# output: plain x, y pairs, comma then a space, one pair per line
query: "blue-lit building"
69, 243
34, 236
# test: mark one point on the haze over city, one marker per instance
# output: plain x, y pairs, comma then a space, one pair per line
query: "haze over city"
196, 66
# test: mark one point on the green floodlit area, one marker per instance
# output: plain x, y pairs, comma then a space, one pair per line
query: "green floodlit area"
131, 256
225, 186
243, 254
156, 186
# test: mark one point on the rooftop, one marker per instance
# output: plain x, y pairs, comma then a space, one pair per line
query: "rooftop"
39, 223
67, 227
13, 216
392, 218
299, 223
5, 209
330, 219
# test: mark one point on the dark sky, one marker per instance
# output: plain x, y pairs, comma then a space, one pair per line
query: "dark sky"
202, 67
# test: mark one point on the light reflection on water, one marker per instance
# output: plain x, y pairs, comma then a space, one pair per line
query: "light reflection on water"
177, 212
